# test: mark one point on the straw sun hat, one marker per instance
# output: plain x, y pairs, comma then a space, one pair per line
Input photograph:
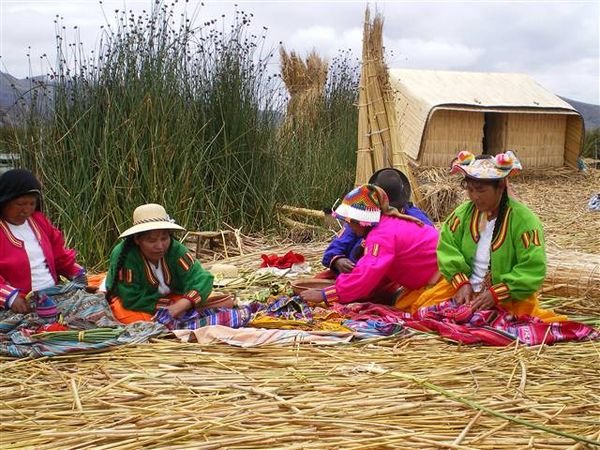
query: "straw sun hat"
150, 217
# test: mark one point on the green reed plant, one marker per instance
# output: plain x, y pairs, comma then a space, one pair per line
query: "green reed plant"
171, 111
321, 159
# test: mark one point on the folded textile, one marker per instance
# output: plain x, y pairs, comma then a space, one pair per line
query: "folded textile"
495, 327
79, 310
193, 319
253, 337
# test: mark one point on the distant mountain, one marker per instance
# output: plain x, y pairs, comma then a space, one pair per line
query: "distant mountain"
12, 111
589, 112
17, 95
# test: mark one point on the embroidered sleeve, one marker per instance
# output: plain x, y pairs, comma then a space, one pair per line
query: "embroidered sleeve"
451, 261
197, 283
459, 280
186, 262
366, 275
527, 274
500, 292
7, 294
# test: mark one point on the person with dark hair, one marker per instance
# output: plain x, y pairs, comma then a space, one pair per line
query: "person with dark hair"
491, 250
344, 251
399, 252
149, 270
33, 254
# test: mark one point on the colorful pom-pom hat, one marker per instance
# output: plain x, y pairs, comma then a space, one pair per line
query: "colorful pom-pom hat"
495, 167
363, 205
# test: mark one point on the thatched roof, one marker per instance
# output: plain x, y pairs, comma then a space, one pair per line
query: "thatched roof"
419, 93
478, 89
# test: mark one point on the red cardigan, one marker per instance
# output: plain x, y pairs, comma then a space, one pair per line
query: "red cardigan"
15, 271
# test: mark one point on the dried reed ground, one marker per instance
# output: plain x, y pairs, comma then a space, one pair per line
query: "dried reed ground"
171, 395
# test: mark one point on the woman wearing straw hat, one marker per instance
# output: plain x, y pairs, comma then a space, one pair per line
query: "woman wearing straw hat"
33, 254
399, 251
150, 270
491, 250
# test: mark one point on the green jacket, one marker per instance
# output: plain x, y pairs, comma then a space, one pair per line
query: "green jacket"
518, 259
137, 287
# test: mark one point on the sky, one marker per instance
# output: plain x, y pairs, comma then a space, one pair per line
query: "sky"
555, 42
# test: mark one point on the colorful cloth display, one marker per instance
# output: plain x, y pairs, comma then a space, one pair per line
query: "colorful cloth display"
495, 327
78, 310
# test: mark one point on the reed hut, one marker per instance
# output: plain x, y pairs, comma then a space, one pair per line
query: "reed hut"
443, 112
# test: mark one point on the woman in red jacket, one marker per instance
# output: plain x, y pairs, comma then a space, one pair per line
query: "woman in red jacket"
32, 251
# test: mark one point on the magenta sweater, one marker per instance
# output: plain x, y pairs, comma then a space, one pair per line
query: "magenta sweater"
395, 250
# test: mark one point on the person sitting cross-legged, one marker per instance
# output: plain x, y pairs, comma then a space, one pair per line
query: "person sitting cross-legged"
346, 249
399, 251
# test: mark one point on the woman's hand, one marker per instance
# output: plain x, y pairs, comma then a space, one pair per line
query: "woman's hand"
483, 300
312, 296
20, 305
343, 265
464, 294
179, 307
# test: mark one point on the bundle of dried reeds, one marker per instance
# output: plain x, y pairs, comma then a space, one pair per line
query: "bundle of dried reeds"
378, 139
441, 193
559, 197
415, 392
572, 274
305, 82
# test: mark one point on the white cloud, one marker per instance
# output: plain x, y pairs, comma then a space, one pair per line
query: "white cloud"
431, 54
557, 41
326, 40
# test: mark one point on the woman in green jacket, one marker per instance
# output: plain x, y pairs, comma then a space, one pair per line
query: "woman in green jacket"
491, 248
149, 269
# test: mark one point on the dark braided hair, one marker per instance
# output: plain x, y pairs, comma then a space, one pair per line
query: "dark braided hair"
501, 210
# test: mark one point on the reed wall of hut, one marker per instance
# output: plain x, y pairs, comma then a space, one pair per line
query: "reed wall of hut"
440, 113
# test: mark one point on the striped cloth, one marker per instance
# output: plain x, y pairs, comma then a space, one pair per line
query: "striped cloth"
192, 319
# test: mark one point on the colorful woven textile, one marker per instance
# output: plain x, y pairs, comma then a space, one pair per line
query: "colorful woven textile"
191, 320
79, 310
458, 323
495, 327
289, 313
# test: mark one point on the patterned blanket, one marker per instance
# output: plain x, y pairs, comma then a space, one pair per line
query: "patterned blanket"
459, 324
78, 310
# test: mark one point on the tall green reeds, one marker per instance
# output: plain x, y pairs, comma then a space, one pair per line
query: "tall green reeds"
322, 158
185, 115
